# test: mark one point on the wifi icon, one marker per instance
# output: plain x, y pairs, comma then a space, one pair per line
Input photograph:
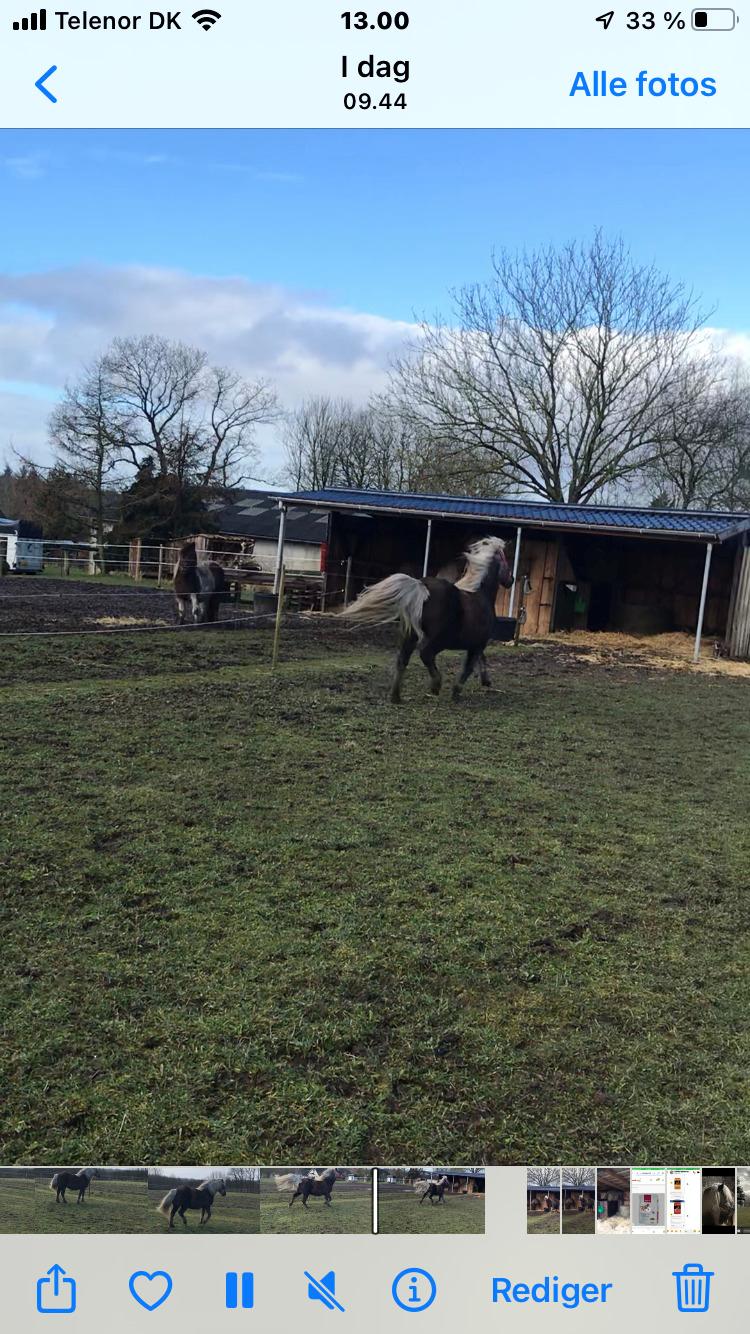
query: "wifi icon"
206, 18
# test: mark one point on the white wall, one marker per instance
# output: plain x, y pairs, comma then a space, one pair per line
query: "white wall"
301, 557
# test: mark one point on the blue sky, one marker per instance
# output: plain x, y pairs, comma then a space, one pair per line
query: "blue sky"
311, 251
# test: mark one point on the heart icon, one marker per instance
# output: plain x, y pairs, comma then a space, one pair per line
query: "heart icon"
150, 1290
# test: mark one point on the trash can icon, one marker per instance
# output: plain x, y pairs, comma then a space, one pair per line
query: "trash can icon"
693, 1287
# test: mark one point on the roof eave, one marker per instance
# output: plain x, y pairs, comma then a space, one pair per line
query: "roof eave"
518, 522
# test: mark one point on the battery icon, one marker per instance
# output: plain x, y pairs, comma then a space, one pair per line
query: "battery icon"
714, 20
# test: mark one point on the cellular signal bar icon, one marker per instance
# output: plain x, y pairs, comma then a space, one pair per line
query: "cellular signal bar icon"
34, 23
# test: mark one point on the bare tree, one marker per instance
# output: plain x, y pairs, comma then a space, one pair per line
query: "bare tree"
551, 378
703, 460
197, 421
543, 1178
318, 436
330, 442
578, 1177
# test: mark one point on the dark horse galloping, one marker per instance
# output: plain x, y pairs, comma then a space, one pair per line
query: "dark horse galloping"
322, 1183
438, 615
201, 1197
79, 1182
435, 1191
196, 585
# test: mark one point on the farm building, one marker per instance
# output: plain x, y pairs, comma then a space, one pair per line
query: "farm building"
591, 567
249, 523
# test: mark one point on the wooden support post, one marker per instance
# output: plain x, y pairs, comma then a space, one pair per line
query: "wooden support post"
3, 556
137, 562
161, 566
279, 614
348, 581
702, 608
427, 545
66, 563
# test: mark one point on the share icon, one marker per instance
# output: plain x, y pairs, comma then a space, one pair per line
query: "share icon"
323, 1290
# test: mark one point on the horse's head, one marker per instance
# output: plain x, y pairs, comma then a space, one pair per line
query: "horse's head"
505, 576
221, 1188
188, 554
486, 558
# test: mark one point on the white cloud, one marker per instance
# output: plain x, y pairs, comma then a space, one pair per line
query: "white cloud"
29, 168
53, 322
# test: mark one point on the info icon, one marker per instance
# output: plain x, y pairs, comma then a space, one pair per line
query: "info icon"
414, 1289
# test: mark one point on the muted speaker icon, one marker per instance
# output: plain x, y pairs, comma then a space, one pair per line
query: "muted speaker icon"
36, 22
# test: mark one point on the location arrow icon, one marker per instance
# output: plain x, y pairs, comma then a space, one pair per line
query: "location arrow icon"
606, 19
40, 82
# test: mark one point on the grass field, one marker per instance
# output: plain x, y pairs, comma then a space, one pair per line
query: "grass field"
543, 1224
30, 1206
279, 919
743, 1216
576, 1223
350, 1210
399, 1211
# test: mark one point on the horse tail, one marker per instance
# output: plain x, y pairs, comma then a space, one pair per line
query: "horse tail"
163, 1208
399, 597
285, 1180
54, 1181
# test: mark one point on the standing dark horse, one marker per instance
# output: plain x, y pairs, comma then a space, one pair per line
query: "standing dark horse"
435, 1191
196, 585
201, 1197
75, 1181
319, 1183
437, 614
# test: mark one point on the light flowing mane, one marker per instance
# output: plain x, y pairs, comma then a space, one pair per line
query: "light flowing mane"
478, 558
212, 1184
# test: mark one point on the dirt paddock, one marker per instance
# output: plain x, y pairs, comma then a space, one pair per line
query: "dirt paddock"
48, 605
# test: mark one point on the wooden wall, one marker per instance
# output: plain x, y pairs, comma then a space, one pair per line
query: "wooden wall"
738, 629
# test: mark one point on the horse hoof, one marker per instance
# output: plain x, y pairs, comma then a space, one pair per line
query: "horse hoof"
395, 699
436, 687
455, 694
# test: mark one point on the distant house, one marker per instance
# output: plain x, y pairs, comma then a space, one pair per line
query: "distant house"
248, 524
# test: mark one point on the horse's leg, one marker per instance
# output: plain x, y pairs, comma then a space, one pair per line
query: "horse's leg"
183, 1215
296, 1193
484, 672
408, 645
427, 654
469, 665
197, 608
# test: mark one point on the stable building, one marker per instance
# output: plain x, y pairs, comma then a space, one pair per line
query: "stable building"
590, 567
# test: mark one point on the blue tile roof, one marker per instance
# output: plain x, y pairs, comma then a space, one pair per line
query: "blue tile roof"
714, 526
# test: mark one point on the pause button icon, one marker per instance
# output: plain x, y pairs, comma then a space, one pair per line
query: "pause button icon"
239, 1291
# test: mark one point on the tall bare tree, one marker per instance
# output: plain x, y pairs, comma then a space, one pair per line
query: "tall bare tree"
703, 459
551, 378
196, 420
316, 437
331, 442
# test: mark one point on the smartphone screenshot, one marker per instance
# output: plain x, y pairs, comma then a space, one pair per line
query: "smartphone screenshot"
374, 665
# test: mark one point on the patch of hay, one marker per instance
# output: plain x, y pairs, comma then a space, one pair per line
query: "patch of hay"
673, 652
